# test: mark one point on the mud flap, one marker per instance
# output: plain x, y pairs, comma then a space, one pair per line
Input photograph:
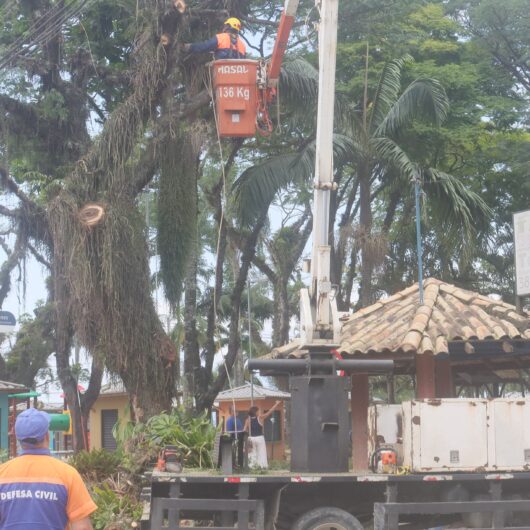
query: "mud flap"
273, 509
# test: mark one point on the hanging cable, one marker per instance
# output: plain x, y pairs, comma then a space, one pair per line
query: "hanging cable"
250, 339
7, 8
42, 30
209, 88
32, 32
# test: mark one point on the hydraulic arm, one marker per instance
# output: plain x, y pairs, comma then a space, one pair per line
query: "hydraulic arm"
318, 310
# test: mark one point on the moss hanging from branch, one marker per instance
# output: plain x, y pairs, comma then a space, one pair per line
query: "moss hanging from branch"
106, 274
101, 271
177, 211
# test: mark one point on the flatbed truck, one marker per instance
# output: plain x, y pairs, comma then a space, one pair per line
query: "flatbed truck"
336, 501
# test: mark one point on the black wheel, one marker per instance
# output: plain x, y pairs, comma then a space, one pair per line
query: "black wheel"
327, 518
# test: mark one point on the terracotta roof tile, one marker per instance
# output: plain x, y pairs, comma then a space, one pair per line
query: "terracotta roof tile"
399, 324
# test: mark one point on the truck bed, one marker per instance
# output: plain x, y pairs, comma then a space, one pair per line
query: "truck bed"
286, 477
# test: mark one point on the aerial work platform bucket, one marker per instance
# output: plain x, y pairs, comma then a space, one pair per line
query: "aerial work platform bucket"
236, 96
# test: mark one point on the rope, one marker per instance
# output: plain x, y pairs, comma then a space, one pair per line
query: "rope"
250, 340
223, 195
209, 88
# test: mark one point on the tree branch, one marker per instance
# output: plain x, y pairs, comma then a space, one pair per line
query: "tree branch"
234, 338
38, 256
264, 268
13, 187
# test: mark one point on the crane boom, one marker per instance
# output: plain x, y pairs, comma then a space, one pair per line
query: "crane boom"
280, 44
319, 316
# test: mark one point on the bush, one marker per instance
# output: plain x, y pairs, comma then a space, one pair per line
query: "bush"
193, 436
96, 465
116, 509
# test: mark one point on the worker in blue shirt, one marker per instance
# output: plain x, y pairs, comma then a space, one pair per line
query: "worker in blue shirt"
234, 427
225, 45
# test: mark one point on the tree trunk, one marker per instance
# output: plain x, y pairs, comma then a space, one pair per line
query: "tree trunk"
192, 359
239, 370
284, 313
281, 316
390, 389
234, 339
79, 405
365, 229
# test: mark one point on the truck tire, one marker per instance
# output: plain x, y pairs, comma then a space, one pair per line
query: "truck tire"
327, 518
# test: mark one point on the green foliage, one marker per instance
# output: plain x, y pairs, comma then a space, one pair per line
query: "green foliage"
177, 212
34, 345
115, 509
257, 186
52, 106
193, 436
97, 464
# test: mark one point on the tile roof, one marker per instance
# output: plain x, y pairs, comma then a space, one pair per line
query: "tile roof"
8, 386
243, 393
400, 325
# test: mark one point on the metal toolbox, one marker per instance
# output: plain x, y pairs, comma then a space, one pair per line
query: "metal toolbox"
446, 435
509, 434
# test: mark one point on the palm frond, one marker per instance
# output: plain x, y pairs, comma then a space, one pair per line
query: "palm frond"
460, 212
299, 88
388, 89
423, 98
299, 82
391, 153
257, 185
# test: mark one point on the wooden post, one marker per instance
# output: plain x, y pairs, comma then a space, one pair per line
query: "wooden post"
425, 378
444, 378
360, 398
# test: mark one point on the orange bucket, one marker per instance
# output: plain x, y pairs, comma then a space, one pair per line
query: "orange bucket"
236, 96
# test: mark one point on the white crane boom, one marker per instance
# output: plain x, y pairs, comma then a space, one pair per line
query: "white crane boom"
319, 316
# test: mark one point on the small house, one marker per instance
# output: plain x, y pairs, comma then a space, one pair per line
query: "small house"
243, 397
111, 406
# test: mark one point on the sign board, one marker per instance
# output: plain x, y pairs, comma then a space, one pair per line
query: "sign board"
7, 322
521, 231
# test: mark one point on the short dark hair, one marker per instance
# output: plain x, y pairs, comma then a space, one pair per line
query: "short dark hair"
31, 441
252, 411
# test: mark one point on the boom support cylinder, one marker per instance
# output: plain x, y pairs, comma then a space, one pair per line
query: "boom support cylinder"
301, 366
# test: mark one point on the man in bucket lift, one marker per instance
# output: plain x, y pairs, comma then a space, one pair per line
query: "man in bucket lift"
225, 45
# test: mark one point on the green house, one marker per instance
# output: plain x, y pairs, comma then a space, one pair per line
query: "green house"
6, 388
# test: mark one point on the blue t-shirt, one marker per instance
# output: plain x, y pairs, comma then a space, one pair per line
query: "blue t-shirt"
230, 425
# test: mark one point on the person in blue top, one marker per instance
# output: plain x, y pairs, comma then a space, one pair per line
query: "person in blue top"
225, 45
234, 426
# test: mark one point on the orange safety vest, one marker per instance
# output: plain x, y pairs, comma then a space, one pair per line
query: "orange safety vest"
226, 41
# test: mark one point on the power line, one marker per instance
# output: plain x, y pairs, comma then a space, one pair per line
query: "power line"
8, 8
52, 30
42, 30
33, 30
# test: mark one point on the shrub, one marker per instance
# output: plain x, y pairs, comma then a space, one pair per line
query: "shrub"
193, 436
116, 509
96, 465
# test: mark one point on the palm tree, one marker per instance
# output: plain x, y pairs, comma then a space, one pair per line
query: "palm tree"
383, 164
369, 164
